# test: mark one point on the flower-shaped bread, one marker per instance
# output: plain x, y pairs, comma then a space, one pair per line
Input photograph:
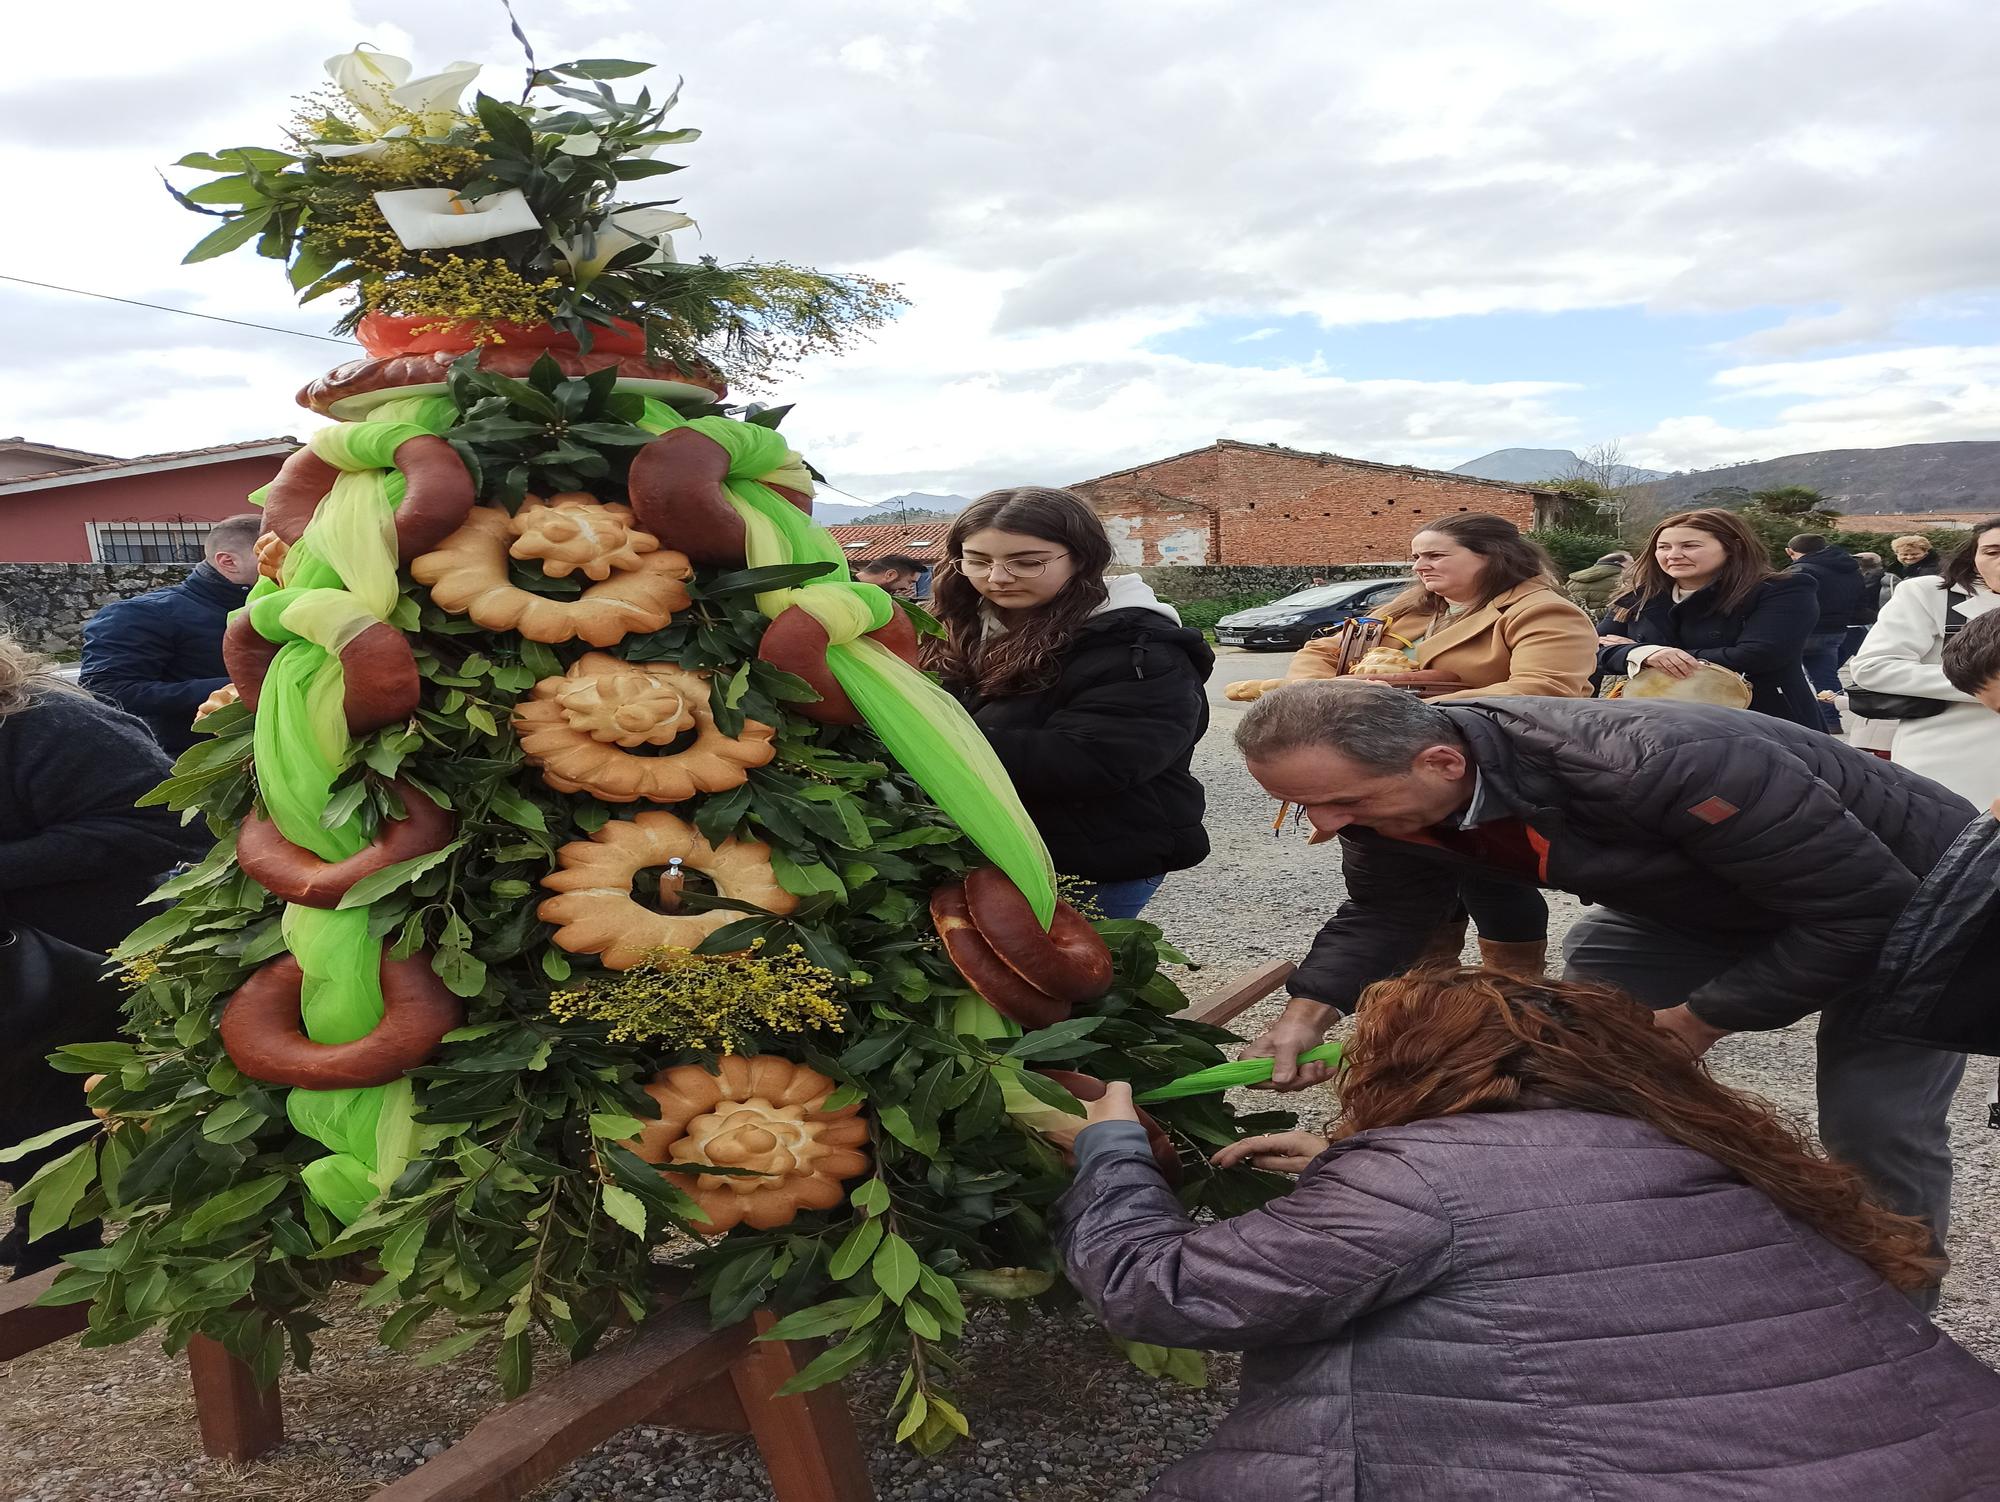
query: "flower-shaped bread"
467, 575
766, 1115
577, 729
573, 532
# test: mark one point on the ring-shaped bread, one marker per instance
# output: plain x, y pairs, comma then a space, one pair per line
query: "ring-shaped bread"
596, 912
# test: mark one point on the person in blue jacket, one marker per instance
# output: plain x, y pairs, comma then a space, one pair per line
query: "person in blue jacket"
158, 655
1706, 592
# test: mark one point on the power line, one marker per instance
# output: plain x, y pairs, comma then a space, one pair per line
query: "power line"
133, 302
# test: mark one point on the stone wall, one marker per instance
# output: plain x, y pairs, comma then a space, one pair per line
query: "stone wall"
1181, 584
44, 605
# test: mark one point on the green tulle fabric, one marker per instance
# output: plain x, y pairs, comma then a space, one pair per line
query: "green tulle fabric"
338, 579
925, 729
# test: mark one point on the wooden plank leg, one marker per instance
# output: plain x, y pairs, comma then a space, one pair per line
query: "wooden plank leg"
1235, 997
239, 1420
23, 1326
714, 1409
517, 1447
808, 1441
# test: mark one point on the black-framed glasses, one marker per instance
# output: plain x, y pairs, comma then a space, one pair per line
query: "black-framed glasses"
1014, 568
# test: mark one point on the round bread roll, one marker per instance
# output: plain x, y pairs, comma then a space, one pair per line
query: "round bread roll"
1710, 684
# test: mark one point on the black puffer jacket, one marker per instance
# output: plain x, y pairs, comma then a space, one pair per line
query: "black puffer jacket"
1764, 639
1101, 757
1840, 587
1704, 818
158, 655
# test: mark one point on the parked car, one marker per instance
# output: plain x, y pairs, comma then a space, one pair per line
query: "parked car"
1288, 624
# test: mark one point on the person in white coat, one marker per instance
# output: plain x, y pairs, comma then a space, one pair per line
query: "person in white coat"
1960, 745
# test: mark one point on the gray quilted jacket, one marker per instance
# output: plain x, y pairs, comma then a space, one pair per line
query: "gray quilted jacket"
1532, 1306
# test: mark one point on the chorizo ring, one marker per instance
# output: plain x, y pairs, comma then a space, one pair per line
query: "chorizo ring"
1088, 1087
675, 490
984, 971
297, 875
264, 1034
796, 643
382, 682
1069, 962
437, 494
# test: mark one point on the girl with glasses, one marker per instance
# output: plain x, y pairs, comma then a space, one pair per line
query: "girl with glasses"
1089, 689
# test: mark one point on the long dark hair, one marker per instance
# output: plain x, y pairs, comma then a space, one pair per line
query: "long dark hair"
1747, 564
1028, 656
1440, 1041
1511, 559
1961, 569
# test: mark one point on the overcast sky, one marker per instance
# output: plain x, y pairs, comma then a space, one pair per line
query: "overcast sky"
1708, 229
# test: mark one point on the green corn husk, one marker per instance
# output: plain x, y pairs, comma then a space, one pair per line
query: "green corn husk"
1237, 1072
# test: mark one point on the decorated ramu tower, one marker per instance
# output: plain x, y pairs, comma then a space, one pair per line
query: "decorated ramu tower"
599, 879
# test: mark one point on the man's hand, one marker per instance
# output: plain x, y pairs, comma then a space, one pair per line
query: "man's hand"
1616, 641
1280, 1152
1697, 1035
1115, 1104
1301, 1026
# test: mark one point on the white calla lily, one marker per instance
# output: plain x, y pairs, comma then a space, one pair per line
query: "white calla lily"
368, 78
434, 99
438, 219
366, 151
620, 233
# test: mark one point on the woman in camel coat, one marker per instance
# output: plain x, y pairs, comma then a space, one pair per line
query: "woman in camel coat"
1486, 619
1528, 640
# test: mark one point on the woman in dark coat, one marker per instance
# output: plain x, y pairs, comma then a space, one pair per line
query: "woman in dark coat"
76, 860
1706, 592
1088, 688
1547, 1259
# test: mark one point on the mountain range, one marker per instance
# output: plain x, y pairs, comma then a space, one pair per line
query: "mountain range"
890, 511
1527, 466
1908, 477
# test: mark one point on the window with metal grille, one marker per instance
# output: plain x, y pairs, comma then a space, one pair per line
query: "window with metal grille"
147, 542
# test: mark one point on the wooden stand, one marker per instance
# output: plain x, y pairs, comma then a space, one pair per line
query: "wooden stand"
672, 1369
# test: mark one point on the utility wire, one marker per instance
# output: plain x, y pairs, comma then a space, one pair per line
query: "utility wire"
184, 312
295, 333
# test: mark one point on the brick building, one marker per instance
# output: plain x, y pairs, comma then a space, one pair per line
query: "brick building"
1259, 504
863, 542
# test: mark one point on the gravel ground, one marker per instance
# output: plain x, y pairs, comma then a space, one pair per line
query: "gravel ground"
1057, 1416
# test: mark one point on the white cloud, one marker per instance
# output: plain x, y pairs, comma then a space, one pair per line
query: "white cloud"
1939, 394
1059, 193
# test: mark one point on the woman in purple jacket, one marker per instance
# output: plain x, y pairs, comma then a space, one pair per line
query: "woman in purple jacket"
1547, 1257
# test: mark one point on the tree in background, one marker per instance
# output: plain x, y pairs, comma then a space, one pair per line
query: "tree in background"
1790, 500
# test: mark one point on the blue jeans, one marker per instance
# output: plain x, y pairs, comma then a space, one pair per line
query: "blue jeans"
1822, 664
1123, 899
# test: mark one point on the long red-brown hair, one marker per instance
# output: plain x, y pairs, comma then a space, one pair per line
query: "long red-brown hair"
1439, 1042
